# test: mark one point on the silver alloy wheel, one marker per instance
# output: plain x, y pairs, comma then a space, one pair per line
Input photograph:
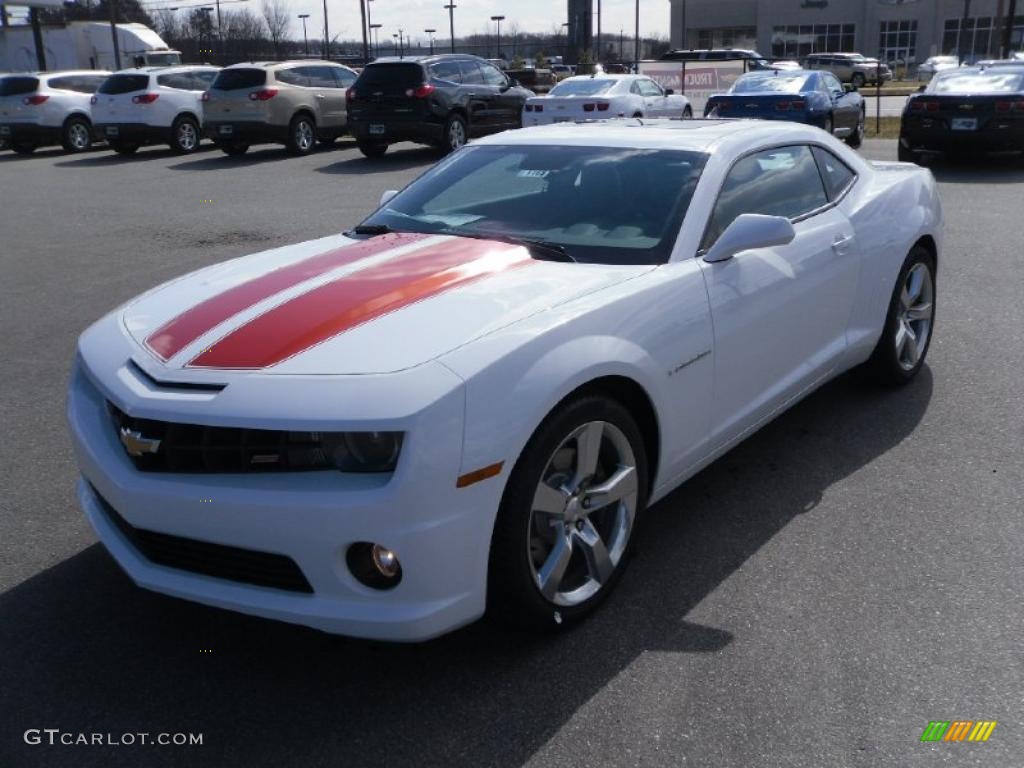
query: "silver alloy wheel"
304, 135
914, 316
78, 136
187, 138
456, 134
583, 513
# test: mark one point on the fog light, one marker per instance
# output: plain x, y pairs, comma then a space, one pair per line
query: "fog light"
374, 565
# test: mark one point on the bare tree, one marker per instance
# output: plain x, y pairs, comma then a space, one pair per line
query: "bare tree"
278, 18
244, 35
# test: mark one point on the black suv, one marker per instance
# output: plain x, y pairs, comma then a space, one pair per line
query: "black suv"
753, 59
440, 100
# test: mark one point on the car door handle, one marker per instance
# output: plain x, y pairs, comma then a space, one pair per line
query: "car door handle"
320, 96
839, 245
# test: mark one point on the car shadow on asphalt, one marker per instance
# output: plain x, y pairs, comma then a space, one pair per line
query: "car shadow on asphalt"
394, 160
104, 156
8, 155
85, 651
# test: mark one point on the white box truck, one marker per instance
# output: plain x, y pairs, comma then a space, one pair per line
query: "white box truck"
84, 45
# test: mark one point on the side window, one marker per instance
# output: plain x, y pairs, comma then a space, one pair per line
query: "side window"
344, 77
91, 83
650, 88
181, 81
635, 87
837, 175
447, 70
471, 74
832, 84
203, 79
320, 77
294, 76
492, 75
776, 182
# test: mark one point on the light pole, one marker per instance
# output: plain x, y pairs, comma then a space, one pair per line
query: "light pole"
565, 45
305, 39
636, 41
451, 22
431, 33
364, 10
327, 37
597, 47
375, 28
498, 19
207, 10
220, 36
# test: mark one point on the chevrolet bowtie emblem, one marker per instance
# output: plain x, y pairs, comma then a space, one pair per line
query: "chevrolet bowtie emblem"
135, 444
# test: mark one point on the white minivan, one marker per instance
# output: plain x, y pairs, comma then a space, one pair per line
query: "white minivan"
42, 108
152, 105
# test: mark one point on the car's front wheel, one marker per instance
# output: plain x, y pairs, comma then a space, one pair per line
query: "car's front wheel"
858, 80
909, 323
687, 114
233, 148
373, 148
77, 135
856, 138
185, 136
565, 525
124, 147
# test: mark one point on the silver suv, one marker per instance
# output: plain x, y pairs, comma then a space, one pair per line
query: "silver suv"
295, 103
852, 68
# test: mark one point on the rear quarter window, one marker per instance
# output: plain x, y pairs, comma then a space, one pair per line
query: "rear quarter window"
237, 79
18, 86
116, 84
182, 81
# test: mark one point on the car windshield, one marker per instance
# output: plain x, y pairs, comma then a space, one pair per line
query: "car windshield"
587, 87
1000, 81
769, 83
607, 205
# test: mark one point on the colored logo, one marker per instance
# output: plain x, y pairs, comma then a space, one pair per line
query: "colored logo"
958, 730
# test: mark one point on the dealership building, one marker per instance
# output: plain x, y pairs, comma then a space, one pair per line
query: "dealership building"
892, 30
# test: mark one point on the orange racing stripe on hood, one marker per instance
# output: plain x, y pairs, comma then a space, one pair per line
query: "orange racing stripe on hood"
178, 333
339, 306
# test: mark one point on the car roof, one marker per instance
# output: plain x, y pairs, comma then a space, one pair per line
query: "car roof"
276, 65
605, 76
699, 135
426, 59
166, 70
56, 73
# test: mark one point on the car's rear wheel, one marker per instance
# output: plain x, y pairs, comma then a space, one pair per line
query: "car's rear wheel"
301, 135
455, 134
77, 135
687, 114
565, 525
185, 136
373, 148
909, 323
905, 154
858, 80
124, 147
856, 138
23, 147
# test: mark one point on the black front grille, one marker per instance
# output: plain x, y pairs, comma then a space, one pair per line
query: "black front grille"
248, 566
194, 448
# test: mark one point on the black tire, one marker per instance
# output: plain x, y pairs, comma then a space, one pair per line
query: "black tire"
301, 135
124, 147
76, 136
905, 154
233, 148
23, 147
687, 114
373, 148
185, 135
327, 142
858, 80
884, 365
455, 134
856, 138
512, 592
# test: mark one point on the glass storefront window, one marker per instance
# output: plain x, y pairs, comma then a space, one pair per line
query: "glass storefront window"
897, 40
797, 41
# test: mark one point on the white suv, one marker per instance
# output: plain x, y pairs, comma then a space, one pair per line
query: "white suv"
42, 108
152, 105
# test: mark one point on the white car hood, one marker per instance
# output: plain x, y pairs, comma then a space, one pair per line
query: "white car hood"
345, 306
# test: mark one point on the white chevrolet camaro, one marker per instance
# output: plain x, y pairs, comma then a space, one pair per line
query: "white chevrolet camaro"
602, 97
467, 402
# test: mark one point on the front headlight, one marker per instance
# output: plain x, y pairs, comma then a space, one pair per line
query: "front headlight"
362, 451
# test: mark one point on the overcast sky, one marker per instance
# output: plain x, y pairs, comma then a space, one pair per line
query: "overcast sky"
473, 16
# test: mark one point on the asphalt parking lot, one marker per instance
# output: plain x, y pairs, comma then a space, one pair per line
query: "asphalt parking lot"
814, 598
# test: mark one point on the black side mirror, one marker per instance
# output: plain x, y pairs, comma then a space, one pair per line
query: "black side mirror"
849, 88
920, 88
669, 92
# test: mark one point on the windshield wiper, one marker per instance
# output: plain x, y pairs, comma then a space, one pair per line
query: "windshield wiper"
372, 229
539, 249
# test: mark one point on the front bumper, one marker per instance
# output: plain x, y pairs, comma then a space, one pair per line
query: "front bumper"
244, 132
29, 133
136, 133
440, 533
